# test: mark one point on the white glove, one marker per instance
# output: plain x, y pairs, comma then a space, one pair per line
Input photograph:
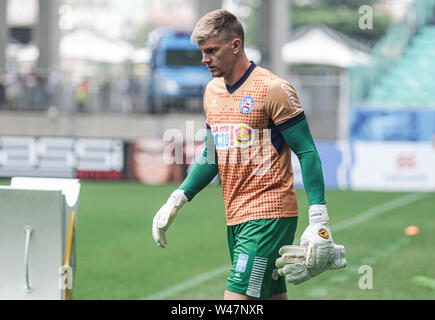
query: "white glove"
166, 215
317, 238
292, 265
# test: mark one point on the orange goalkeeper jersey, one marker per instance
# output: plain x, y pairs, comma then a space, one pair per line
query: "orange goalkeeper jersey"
253, 159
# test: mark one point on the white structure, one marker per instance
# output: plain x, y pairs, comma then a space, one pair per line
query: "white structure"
318, 44
398, 166
86, 45
37, 247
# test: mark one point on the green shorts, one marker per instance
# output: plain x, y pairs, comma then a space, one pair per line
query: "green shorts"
254, 247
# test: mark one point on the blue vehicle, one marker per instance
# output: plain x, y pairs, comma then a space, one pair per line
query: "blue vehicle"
177, 76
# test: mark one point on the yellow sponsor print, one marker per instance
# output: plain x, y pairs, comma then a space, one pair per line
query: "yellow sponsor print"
244, 135
324, 233
290, 257
309, 257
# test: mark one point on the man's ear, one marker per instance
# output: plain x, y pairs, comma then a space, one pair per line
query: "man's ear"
237, 45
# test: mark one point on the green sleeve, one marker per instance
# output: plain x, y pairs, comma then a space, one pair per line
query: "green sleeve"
203, 171
300, 141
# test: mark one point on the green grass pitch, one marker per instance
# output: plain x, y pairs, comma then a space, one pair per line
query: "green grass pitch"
118, 259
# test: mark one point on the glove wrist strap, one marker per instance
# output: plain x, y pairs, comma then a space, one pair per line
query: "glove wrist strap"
178, 198
318, 213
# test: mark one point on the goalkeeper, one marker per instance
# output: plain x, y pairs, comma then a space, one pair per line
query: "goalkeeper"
254, 119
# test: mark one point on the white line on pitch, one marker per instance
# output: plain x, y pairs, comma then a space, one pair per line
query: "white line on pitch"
382, 208
189, 283
362, 217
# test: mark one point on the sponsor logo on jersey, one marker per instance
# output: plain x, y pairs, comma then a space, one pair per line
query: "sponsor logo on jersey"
243, 135
232, 135
247, 104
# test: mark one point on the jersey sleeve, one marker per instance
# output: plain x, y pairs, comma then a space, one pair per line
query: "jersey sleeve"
203, 172
283, 104
206, 101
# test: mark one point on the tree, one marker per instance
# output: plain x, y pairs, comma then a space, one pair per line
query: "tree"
350, 4
343, 16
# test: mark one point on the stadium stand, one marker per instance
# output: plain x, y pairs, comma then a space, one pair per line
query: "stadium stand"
399, 72
409, 80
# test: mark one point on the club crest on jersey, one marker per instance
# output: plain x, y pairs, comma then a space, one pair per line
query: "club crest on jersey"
247, 104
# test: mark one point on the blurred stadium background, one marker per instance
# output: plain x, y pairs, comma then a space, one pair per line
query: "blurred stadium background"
102, 90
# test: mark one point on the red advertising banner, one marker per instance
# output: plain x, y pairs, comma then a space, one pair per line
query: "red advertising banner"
152, 162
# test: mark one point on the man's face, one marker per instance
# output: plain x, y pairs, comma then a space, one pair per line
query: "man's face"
217, 55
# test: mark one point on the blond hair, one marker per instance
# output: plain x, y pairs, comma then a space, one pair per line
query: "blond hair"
221, 23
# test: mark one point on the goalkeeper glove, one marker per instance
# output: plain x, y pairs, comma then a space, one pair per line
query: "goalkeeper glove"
317, 238
166, 215
292, 265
